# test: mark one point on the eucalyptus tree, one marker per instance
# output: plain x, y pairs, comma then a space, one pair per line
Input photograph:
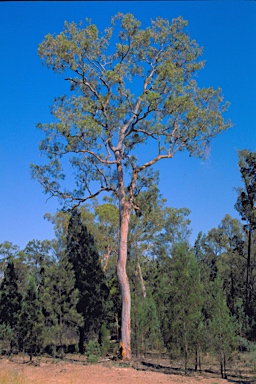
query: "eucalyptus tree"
129, 87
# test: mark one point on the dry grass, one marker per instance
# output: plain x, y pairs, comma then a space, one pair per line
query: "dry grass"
12, 376
13, 373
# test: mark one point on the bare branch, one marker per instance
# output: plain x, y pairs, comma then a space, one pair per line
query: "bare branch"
156, 159
108, 95
98, 66
80, 200
88, 85
108, 162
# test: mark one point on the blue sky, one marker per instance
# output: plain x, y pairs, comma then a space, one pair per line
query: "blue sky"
226, 30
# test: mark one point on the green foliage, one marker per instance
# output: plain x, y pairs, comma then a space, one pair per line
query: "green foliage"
89, 277
8, 252
246, 206
37, 255
59, 298
7, 336
148, 327
93, 351
222, 326
224, 246
104, 340
10, 304
31, 324
242, 321
246, 200
106, 117
113, 306
185, 303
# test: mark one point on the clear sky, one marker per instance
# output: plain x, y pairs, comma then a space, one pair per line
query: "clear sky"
226, 30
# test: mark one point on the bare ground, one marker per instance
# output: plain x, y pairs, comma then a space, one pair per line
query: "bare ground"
62, 372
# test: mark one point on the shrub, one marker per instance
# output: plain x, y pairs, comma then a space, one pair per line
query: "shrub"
93, 352
104, 340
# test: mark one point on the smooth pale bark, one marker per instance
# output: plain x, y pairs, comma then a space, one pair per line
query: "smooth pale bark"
125, 208
125, 343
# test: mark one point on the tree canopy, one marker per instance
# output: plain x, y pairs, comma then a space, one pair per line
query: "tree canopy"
129, 86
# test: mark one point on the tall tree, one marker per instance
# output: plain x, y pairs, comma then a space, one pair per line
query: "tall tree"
229, 238
31, 322
10, 303
185, 303
8, 251
222, 326
141, 90
246, 206
38, 255
89, 277
60, 297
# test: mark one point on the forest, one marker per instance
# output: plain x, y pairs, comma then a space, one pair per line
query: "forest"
62, 295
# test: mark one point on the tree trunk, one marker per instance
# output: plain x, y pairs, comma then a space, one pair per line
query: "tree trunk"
81, 340
125, 343
185, 348
196, 359
221, 365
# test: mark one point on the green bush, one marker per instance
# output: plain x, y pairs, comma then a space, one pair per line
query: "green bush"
93, 352
105, 340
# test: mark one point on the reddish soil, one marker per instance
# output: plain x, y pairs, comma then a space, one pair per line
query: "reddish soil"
77, 373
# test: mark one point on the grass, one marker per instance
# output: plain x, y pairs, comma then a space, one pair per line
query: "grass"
9, 375
12, 376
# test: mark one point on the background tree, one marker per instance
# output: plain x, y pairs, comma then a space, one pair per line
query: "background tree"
31, 322
37, 256
10, 305
89, 278
145, 324
185, 304
8, 251
230, 261
59, 298
222, 326
246, 206
140, 91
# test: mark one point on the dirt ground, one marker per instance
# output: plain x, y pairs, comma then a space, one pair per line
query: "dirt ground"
76, 373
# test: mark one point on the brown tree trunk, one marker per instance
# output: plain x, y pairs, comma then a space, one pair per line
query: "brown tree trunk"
81, 340
125, 343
